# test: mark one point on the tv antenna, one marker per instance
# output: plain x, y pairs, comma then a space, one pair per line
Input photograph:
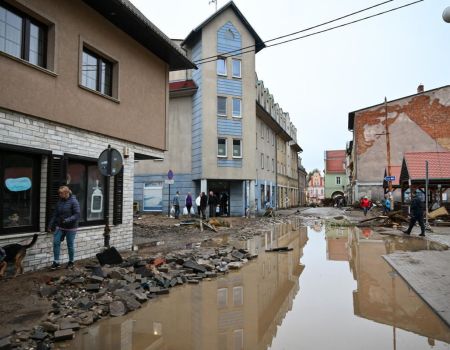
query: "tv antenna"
213, 2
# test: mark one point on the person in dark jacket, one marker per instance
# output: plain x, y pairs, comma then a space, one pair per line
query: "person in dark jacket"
176, 204
64, 223
203, 203
416, 212
188, 203
212, 203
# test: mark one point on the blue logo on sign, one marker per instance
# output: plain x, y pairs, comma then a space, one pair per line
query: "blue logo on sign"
19, 184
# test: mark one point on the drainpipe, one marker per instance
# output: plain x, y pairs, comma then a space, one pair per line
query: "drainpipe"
276, 171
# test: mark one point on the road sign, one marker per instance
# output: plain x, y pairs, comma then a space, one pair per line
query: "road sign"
389, 178
169, 182
170, 174
110, 162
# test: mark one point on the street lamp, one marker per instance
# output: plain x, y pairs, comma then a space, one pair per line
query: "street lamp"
446, 15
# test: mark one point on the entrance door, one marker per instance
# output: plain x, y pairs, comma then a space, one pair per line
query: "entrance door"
222, 191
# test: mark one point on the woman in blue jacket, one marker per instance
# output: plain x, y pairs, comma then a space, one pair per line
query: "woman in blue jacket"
65, 223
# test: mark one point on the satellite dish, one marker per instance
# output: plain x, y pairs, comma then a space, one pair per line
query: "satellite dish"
446, 15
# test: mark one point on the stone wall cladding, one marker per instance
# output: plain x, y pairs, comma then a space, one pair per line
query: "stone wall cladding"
21, 130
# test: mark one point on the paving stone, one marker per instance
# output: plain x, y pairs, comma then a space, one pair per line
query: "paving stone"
65, 324
140, 296
194, 266
48, 291
193, 281
49, 326
180, 280
39, 335
117, 308
95, 278
93, 287
66, 334
234, 265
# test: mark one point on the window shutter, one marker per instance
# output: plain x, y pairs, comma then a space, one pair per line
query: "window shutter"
118, 198
55, 178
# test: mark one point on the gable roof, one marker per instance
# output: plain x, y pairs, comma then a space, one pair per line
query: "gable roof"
259, 44
124, 15
413, 166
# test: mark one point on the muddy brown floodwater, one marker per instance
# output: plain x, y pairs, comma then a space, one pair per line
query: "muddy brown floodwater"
332, 291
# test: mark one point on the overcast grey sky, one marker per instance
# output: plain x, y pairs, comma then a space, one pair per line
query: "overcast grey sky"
320, 79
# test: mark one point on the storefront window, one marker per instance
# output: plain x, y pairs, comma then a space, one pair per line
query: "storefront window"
19, 191
88, 185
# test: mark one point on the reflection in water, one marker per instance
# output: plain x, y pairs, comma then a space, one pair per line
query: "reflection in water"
382, 295
240, 310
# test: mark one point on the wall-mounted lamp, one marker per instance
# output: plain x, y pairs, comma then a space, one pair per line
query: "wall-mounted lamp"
126, 152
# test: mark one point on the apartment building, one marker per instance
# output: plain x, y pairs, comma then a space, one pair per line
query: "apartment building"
76, 77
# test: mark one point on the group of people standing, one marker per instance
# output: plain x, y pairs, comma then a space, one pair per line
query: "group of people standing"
202, 202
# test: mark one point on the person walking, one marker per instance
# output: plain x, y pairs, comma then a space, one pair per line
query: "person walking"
203, 203
416, 212
223, 203
365, 204
188, 203
64, 222
176, 204
212, 202
386, 205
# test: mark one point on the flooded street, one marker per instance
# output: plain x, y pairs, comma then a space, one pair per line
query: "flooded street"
332, 290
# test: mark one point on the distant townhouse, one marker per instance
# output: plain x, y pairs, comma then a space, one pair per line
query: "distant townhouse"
383, 133
302, 183
335, 174
316, 188
223, 125
76, 77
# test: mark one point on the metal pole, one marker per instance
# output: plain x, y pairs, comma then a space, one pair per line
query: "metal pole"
168, 208
426, 194
388, 144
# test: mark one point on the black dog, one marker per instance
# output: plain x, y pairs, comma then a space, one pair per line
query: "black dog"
16, 253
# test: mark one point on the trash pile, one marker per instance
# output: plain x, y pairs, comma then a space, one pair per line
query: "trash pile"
86, 295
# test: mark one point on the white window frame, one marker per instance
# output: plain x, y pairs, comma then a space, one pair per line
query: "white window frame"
226, 147
240, 68
338, 180
240, 144
226, 109
224, 60
240, 107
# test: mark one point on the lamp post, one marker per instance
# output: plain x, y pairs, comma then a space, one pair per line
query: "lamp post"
446, 15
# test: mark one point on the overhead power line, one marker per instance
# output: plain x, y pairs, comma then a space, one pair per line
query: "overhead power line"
252, 47
300, 31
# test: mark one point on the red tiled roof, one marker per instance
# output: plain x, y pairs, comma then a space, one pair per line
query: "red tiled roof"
182, 85
395, 171
438, 165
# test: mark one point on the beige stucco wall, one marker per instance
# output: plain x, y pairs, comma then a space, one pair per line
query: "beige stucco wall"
139, 112
267, 147
209, 104
178, 156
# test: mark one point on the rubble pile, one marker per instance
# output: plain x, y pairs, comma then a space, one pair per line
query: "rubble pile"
86, 295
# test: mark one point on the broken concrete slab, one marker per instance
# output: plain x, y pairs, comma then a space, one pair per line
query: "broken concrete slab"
66, 334
194, 266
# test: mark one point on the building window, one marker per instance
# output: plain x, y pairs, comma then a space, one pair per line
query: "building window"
262, 160
96, 72
262, 130
237, 148
273, 165
22, 36
238, 296
222, 147
89, 187
19, 192
221, 106
338, 180
237, 107
222, 66
236, 68
268, 166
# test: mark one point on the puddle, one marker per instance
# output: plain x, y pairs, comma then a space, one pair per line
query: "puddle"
333, 290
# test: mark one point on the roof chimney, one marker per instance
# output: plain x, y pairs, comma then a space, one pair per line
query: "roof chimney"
420, 88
